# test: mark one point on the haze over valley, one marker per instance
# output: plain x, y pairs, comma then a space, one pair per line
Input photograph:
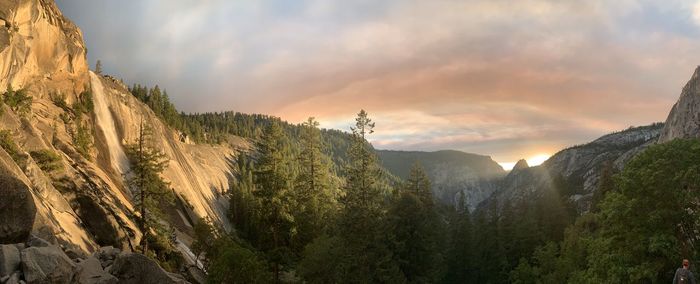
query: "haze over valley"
349, 141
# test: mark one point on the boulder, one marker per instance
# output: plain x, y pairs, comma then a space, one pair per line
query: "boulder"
9, 260
35, 241
14, 279
137, 268
106, 255
47, 265
90, 272
16, 208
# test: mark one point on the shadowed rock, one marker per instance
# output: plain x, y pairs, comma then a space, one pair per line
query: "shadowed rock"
137, 268
17, 210
90, 272
9, 260
47, 265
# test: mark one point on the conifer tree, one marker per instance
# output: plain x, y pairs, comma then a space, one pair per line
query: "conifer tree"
417, 230
314, 190
273, 189
361, 223
98, 67
145, 182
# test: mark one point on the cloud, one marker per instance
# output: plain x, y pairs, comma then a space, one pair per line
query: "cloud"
507, 78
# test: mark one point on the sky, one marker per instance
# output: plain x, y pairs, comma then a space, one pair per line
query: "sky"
508, 79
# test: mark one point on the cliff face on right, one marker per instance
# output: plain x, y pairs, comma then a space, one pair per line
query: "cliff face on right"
684, 119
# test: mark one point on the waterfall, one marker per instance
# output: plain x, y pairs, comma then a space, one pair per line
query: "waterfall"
104, 118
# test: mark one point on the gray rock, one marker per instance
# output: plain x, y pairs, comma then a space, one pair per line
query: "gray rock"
35, 241
16, 208
14, 279
106, 255
47, 265
136, 268
9, 260
682, 121
90, 272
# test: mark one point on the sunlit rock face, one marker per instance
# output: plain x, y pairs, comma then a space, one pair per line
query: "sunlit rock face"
38, 44
684, 119
86, 204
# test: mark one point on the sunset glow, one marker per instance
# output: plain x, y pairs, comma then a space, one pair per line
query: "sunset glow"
475, 79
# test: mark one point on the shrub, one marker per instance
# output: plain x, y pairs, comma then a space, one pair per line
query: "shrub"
7, 143
18, 100
47, 160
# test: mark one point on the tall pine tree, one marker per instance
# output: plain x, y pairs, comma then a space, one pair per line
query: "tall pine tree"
144, 180
273, 189
315, 193
361, 222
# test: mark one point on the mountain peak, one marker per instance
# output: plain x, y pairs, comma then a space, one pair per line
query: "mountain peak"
521, 164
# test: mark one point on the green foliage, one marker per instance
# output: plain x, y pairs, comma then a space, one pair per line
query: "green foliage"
47, 160
367, 257
204, 234
59, 100
161, 247
315, 193
83, 139
234, 263
18, 101
274, 190
417, 231
9, 145
145, 182
323, 261
643, 227
82, 133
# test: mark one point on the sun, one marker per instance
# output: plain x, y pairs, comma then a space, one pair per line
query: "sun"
537, 160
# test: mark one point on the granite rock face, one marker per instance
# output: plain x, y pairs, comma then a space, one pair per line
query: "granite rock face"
684, 119
37, 42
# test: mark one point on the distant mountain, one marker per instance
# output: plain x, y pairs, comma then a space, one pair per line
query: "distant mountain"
451, 172
574, 173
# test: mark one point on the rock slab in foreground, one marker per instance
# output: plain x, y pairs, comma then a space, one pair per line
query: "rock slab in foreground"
47, 265
137, 268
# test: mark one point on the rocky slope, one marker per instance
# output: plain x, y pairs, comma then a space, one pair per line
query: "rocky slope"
38, 261
451, 173
576, 171
82, 202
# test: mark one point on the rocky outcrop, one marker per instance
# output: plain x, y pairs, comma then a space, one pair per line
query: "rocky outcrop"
46, 263
91, 271
520, 165
684, 119
133, 268
9, 260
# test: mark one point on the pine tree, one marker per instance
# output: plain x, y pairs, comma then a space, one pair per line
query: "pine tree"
361, 223
417, 230
273, 189
98, 67
314, 190
145, 182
